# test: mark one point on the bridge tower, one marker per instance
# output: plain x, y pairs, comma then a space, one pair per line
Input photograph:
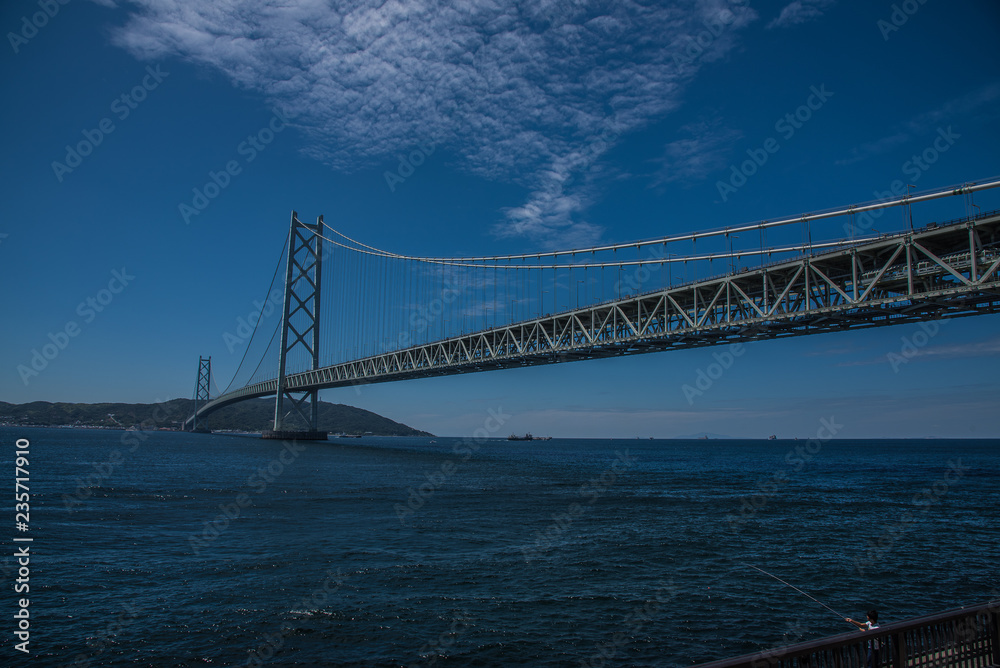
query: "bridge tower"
296, 414
202, 389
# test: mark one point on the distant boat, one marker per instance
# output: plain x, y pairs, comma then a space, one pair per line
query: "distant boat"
772, 437
348, 435
528, 437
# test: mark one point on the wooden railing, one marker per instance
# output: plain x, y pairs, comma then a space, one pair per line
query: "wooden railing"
963, 638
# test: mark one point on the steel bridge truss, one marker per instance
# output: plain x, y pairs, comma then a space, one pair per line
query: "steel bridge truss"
937, 272
300, 322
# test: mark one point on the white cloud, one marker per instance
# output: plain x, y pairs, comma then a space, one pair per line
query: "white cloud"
702, 151
959, 109
800, 11
530, 93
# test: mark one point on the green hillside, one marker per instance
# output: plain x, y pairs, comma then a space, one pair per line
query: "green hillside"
252, 415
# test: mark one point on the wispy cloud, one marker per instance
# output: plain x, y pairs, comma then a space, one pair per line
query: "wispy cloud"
829, 352
986, 348
702, 150
877, 147
800, 11
529, 93
981, 100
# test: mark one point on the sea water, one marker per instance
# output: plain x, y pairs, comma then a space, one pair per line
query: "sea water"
170, 549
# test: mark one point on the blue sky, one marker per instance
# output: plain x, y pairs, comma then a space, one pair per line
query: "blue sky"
552, 124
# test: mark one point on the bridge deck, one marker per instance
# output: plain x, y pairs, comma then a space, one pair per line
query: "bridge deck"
941, 271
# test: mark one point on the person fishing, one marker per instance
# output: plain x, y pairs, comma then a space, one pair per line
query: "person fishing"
873, 645
872, 623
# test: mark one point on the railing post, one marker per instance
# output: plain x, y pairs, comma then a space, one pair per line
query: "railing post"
941, 640
899, 650
995, 633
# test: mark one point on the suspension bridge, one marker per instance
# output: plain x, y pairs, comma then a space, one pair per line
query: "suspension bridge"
355, 314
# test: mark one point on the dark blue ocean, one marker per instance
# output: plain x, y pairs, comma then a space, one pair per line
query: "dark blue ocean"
168, 549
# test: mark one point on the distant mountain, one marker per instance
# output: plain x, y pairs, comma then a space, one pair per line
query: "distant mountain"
251, 415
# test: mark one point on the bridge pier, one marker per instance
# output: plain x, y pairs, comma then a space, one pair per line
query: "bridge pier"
300, 318
270, 434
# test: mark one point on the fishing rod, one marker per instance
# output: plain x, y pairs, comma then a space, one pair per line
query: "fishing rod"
796, 589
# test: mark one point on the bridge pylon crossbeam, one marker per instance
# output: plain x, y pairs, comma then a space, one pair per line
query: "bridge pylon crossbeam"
295, 409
